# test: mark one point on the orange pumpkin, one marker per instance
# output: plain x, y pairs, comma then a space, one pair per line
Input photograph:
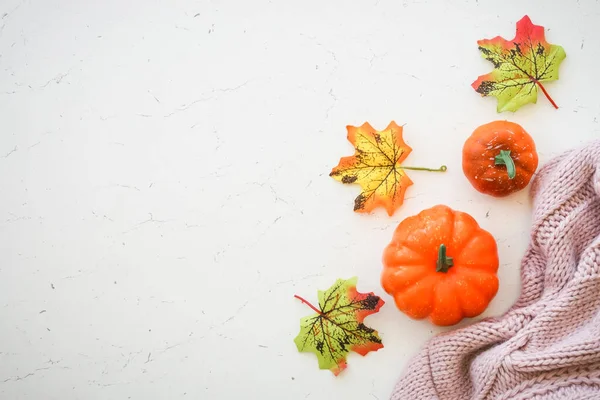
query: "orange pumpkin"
499, 158
442, 265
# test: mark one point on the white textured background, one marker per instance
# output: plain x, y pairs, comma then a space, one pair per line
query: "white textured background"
165, 192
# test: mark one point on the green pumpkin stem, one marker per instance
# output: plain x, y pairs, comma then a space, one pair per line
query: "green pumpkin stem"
504, 158
443, 262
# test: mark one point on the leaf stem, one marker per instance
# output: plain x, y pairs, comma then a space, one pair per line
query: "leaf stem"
443, 168
545, 93
308, 304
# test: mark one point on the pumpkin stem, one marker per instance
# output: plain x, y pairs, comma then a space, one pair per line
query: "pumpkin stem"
504, 158
443, 262
443, 168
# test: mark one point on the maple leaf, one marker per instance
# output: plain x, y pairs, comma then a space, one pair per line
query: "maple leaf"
375, 166
520, 66
337, 327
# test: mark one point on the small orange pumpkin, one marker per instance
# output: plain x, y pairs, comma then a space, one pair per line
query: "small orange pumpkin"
499, 158
442, 265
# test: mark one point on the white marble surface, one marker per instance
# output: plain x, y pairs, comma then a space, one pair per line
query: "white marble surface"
165, 192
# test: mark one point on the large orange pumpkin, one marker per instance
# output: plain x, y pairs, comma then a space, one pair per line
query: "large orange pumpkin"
499, 158
442, 265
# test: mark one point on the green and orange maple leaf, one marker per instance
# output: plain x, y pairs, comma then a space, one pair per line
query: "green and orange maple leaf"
520, 66
376, 167
337, 327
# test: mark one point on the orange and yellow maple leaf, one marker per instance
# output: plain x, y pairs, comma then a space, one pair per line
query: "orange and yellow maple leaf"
376, 167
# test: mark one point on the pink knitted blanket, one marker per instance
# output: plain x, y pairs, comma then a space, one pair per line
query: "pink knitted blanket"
547, 346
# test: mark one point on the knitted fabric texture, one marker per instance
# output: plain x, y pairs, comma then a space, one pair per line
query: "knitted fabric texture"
547, 346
